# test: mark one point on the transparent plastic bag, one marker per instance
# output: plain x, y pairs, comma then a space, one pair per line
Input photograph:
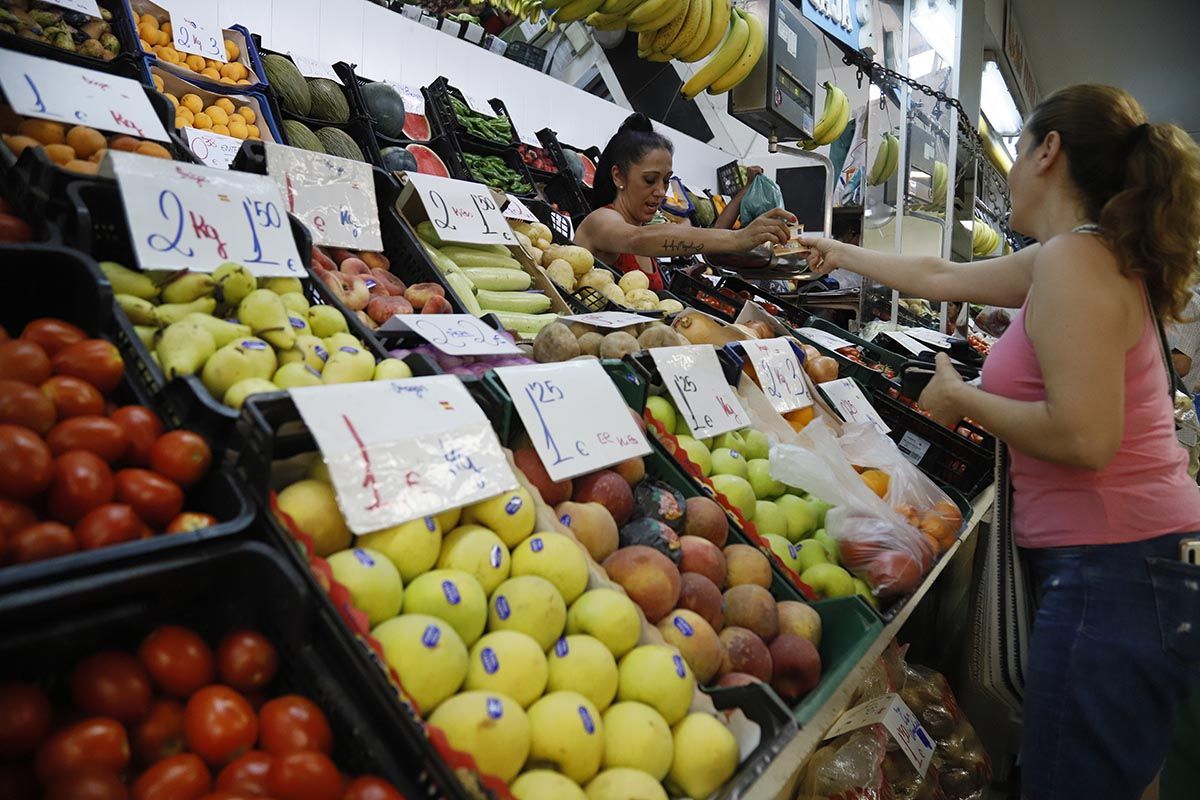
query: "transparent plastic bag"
960, 763
763, 195
849, 767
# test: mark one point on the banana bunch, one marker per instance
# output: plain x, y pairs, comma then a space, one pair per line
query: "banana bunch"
940, 175
528, 10
887, 158
984, 238
834, 118
737, 54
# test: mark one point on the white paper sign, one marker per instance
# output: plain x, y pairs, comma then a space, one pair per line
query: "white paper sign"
479, 105
462, 211
213, 149
414, 101
39, 87
455, 334
517, 210
913, 447
610, 319
195, 28
400, 450
907, 342
824, 338
183, 216
311, 68
89, 7
334, 197
898, 719
526, 135
779, 373
934, 338
848, 400
574, 416
694, 379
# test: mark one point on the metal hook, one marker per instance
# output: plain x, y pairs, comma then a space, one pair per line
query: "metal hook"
858, 75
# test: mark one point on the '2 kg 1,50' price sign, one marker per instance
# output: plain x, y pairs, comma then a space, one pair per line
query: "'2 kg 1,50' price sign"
779, 373
183, 216
462, 211
334, 197
574, 415
399, 450
694, 379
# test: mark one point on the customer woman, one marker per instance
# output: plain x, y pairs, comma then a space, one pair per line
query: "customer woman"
1078, 390
631, 182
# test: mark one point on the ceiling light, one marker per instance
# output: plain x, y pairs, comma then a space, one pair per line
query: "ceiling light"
937, 25
997, 102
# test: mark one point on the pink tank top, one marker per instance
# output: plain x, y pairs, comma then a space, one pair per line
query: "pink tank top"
1144, 491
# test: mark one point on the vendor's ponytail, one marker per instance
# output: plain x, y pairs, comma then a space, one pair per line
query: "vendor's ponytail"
633, 140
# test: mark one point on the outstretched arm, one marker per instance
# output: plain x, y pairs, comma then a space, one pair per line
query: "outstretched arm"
606, 231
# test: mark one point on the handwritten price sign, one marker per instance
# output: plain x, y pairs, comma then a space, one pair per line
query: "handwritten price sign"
574, 415
399, 450
848, 400
456, 334
462, 211
183, 216
824, 338
694, 379
610, 319
334, 197
214, 149
39, 87
517, 210
311, 68
195, 28
414, 101
779, 373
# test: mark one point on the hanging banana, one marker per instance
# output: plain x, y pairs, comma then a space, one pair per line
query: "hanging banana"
730, 50
887, 158
719, 21
746, 62
834, 118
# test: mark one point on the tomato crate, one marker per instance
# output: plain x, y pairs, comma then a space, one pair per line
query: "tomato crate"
127, 62
217, 589
868, 363
697, 292
789, 313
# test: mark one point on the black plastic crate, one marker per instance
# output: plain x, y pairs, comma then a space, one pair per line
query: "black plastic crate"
702, 295
439, 110
789, 313
358, 129
216, 590
871, 353
530, 55
354, 83
127, 64
453, 151
568, 191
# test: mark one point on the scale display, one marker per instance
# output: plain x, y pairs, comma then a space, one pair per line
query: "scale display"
776, 99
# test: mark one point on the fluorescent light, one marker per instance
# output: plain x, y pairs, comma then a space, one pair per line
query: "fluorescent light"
937, 28
997, 103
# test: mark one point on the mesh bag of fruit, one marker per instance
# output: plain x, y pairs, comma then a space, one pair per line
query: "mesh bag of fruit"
960, 763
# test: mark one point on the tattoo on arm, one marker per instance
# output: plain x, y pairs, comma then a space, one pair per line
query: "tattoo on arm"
680, 246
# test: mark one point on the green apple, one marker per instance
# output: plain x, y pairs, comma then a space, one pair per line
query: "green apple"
681, 425
861, 589
809, 553
756, 445
786, 551
738, 492
828, 580
733, 440
801, 518
758, 472
768, 518
660, 408
372, 580
829, 543
728, 462
820, 506
697, 452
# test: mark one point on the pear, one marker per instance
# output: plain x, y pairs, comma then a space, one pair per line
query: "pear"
238, 393
128, 281
326, 321
237, 361
348, 365
309, 350
263, 311
299, 322
284, 285
342, 340
391, 369
223, 331
188, 287
296, 373
147, 335
184, 348
139, 311
170, 313
234, 282
295, 301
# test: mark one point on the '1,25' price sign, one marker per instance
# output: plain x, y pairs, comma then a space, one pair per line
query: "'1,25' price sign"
779, 373
692, 375
574, 415
184, 216
462, 211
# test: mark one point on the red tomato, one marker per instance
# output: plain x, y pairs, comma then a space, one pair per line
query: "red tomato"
22, 404
178, 660
160, 734
14, 516
94, 360
219, 724
293, 723
23, 360
88, 784
156, 499
893, 573
247, 773
368, 787
191, 521
72, 397
109, 524
143, 427
182, 456
96, 742
26, 464
52, 334
304, 776
181, 777
246, 660
111, 684
94, 433
40, 541
24, 718
82, 482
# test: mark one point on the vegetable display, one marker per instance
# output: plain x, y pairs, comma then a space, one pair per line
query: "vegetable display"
491, 128
492, 170
71, 31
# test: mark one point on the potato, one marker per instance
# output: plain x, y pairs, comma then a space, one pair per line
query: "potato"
554, 343
538, 230
561, 273
580, 258
523, 239
535, 255
589, 343
634, 280
597, 279
659, 335
613, 293
670, 305
618, 344
642, 300
543, 244
523, 228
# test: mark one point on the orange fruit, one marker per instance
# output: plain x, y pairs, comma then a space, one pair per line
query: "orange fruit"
146, 46
242, 82
194, 62
85, 167
231, 50
98, 156
247, 113
60, 153
192, 103
174, 100
127, 144
209, 72
153, 149
18, 143
800, 417
86, 140
148, 32
252, 132
217, 115
163, 37
202, 121
221, 129
233, 70
226, 105
877, 480
149, 20
43, 130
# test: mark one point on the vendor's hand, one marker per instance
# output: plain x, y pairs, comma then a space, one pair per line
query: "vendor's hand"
941, 397
771, 227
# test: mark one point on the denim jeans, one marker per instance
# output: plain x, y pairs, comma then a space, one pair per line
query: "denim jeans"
1116, 648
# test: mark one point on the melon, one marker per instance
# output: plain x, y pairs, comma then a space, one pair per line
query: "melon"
295, 97
338, 143
589, 170
298, 135
328, 101
428, 162
386, 107
397, 159
416, 127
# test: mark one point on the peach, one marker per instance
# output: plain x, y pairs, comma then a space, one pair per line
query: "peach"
648, 577
795, 666
745, 652
746, 564
800, 619
437, 305
632, 470
376, 260
354, 266
696, 640
706, 519
381, 308
702, 557
752, 607
697, 593
419, 293
389, 282
592, 525
553, 492
609, 490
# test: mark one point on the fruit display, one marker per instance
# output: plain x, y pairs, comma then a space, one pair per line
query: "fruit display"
887, 161
391, 119
76, 148
70, 31
235, 115
537, 158
559, 341
364, 284
413, 157
319, 99
155, 36
331, 141
492, 171
496, 129
735, 38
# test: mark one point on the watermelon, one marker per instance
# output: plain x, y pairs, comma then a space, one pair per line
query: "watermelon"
397, 159
328, 101
298, 135
416, 127
294, 95
386, 107
338, 143
428, 162
589, 170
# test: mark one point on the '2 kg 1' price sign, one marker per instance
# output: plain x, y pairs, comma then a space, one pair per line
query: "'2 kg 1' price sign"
574, 415
400, 450
183, 216
195, 28
462, 211
779, 373
334, 197
693, 376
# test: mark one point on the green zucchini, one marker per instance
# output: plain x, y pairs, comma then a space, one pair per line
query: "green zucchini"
429, 234
443, 262
524, 302
463, 287
465, 257
499, 279
524, 324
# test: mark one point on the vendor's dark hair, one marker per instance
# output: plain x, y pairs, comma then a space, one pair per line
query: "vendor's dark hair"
632, 141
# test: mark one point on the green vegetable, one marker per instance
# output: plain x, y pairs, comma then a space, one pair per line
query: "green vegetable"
467, 257
524, 302
494, 129
465, 291
494, 172
524, 324
294, 93
429, 234
498, 279
298, 135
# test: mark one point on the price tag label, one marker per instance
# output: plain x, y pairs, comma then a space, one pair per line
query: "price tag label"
779, 373
455, 334
913, 447
517, 210
693, 376
89, 7
479, 105
896, 717
195, 28
462, 211
311, 68
334, 197
414, 101
848, 400
526, 135
907, 342
182, 216
935, 338
400, 450
824, 338
610, 319
574, 415
39, 87
213, 149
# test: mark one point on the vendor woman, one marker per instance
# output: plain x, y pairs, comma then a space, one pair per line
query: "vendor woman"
631, 182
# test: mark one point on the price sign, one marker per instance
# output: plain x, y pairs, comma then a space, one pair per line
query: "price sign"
183, 216
462, 211
414, 101
935, 338
896, 717
479, 105
195, 28
88, 7
693, 376
824, 338
334, 197
907, 342
213, 149
400, 450
610, 319
848, 400
574, 415
311, 68
517, 210
39, 87
526, 135
455, 334
779, 373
